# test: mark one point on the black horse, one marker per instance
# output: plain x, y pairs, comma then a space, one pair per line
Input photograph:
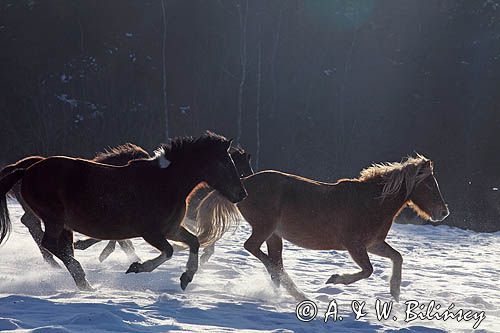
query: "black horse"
241, 160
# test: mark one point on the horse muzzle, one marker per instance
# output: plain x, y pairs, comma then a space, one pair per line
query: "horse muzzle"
240, 196
441, 214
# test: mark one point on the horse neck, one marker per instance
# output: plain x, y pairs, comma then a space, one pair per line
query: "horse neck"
185, 176
393, 205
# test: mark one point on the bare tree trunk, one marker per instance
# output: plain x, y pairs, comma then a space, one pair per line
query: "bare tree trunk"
243, 63
257, 112
164, 68
273, 63
345, 139
82, 39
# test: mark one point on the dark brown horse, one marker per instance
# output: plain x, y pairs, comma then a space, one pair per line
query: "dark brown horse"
351, 214
145, 198
241, 161
120, 155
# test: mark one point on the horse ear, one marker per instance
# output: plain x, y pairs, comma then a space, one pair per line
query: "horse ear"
249, 156
228, 143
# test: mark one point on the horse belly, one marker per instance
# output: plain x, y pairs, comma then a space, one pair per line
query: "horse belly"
314, 234
105, 226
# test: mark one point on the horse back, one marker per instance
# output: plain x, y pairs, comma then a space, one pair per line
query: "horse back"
88, 195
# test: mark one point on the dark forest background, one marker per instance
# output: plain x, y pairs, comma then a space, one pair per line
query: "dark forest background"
321, 88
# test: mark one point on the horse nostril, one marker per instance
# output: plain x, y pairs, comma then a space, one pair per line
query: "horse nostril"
444, 213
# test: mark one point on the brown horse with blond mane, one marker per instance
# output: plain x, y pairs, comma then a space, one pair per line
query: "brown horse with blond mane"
145, 198
351, 214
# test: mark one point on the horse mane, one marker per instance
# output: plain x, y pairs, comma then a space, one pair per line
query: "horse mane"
180, 147
410, 172
198, 188
128, 151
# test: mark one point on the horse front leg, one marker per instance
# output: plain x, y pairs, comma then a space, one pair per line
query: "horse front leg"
272, 262
386, 251
160, 242
183, 235
278, 273
360, 256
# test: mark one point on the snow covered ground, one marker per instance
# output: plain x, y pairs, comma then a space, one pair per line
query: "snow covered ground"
232, 292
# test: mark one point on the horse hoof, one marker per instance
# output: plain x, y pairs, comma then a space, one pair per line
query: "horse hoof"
395, 294
333, 279
276, 280
300, 297
134, 258
53, 263
185, 279
103, 256
134, 268
85, 286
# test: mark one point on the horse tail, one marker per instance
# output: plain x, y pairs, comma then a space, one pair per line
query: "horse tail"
4, 172
7, 169
6, 183
215, 216
25, 163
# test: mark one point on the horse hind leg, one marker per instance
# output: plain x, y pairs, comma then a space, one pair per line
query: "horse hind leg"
360, 256
33, 224
108, 249
386, 251
59, 242
126, 246
129, 249
207, 253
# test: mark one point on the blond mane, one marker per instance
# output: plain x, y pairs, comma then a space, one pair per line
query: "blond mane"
410, 172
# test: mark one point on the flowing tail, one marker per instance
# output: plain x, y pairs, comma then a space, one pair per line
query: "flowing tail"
25, 163
215, 216
6, 183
